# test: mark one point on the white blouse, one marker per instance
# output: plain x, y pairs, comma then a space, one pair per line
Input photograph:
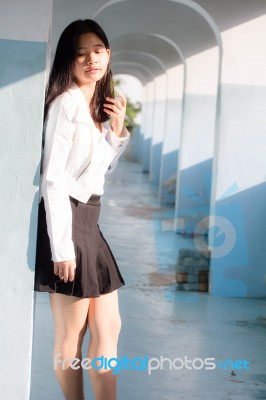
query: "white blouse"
76, 158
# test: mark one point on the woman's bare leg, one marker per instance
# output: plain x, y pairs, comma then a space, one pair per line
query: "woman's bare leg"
104, 324
70, 320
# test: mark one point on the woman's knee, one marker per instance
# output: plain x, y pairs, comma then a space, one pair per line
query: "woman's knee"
115, 326
109, 329
112, 327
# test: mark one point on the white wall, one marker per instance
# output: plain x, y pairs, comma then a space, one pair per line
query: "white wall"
24, 30
239, 189
30, 21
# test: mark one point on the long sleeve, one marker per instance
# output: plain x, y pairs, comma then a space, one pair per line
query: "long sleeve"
59, 133
118, 143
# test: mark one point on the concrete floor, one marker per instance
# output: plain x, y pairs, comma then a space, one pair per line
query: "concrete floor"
158, 320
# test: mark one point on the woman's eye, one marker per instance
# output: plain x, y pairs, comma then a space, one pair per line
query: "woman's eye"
80, 57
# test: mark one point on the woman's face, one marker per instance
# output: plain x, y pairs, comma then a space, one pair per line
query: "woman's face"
91, 60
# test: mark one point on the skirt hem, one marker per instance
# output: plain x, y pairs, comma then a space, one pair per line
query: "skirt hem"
92, 296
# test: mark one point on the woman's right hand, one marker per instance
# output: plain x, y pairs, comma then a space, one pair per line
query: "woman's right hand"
65, 270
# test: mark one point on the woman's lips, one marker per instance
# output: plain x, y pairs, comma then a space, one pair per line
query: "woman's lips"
92, 70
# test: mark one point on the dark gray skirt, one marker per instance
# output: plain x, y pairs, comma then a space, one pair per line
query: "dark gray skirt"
96, 273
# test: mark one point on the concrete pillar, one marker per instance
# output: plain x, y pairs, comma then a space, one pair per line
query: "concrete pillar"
24, 31
142, 129
171, 142
147, 127
160, 83
197, 139
132, 152
239, 190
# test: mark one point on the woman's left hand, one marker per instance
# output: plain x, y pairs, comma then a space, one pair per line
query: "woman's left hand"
117, 111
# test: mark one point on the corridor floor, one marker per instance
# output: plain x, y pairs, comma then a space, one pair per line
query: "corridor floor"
157, 320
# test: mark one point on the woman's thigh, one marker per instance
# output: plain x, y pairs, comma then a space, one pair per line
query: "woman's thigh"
104, 316
70, 313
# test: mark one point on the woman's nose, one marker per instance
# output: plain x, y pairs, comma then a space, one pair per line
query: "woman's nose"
90, 59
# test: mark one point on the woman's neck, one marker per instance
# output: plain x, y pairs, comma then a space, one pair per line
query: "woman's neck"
88, 91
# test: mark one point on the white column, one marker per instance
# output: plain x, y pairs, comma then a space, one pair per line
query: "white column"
239, 190
197, 138
24, 30
158, 127
172, 132
147, 127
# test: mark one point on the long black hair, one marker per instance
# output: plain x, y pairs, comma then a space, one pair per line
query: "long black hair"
62, 72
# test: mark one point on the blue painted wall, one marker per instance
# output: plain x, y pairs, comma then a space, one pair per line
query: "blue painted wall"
22, 86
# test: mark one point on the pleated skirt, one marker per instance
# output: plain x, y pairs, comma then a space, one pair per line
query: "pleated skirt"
96, 273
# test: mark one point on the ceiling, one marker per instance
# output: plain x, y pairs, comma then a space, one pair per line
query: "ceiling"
149, 36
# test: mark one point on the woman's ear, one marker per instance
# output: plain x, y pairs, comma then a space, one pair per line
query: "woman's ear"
109, 53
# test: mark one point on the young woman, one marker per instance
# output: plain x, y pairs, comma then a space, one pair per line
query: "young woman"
84, 135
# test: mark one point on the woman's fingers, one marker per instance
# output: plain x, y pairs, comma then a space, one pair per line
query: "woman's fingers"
65, 270
113, 105
56, 269
71, 273
123, 99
